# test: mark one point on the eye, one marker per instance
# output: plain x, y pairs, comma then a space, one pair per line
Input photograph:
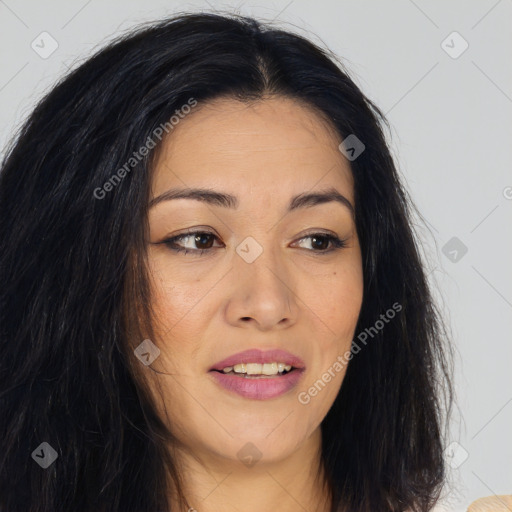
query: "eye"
200, 242
322, 240
203, 239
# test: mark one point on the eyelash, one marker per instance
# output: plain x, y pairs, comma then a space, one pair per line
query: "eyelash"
336, 242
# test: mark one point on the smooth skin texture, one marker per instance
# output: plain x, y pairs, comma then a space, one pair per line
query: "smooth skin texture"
297, 296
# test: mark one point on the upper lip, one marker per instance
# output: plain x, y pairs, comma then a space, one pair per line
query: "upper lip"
259, 356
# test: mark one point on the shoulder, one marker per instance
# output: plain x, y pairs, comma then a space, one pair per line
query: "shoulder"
494, 503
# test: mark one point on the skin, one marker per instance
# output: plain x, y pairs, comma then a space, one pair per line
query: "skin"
210, 306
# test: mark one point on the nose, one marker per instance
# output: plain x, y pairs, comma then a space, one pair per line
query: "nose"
262, 293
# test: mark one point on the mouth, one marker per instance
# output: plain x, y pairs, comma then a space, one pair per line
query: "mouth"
257, 387
258, 371
259, 375
257, 362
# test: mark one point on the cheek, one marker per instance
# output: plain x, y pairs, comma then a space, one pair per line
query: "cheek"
174, 292
176, 305
336, 314
345, 310
337, 301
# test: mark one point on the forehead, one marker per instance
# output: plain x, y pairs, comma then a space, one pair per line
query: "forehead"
271, 146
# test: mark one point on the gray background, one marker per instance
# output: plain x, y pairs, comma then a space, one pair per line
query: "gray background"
451, 119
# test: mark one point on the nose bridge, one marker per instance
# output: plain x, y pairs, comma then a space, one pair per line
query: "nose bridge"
264, 289
260, 263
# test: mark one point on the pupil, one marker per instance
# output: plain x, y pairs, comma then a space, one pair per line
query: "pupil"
316, 239
200, 239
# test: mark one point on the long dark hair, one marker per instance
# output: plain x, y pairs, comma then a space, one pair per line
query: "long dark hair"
74, 296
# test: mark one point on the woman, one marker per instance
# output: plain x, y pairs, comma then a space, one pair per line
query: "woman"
212, 297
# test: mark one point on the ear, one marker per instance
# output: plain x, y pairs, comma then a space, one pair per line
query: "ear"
494, 503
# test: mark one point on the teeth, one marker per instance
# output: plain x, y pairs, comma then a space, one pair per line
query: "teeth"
258, 369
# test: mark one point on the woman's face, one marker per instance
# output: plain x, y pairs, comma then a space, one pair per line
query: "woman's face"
269, 278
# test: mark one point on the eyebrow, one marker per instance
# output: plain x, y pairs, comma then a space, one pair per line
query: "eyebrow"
215, 198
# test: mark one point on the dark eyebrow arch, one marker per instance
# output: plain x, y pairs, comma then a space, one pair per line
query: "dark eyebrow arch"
209, 196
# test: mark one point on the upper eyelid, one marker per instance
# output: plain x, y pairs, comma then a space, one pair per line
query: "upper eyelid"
206, 232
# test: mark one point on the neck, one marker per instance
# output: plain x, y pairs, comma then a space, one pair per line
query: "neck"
218, 484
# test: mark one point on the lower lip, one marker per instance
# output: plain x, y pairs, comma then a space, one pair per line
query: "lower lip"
259, 389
